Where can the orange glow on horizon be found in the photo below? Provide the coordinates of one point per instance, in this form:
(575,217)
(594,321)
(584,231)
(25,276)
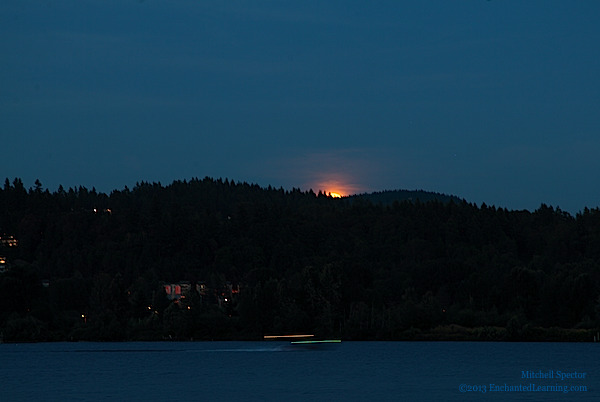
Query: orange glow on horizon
(335,185)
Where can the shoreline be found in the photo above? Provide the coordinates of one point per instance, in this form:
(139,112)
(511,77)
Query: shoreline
(447,333)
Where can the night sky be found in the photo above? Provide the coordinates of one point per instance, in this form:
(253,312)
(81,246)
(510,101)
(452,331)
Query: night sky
(492,101)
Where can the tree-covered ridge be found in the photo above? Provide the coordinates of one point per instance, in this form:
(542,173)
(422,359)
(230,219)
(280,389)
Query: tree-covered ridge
(304,262)
(388,197)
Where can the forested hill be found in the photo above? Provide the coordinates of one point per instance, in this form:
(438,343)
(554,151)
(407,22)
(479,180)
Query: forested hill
(78,264)
(389,196)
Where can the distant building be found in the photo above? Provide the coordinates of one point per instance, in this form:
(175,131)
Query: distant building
(8,241)
(201,288)
(227,294)
(223,295)
(202,291)
(176,291)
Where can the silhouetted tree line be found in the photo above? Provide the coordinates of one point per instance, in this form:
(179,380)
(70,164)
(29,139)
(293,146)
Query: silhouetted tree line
(305,263)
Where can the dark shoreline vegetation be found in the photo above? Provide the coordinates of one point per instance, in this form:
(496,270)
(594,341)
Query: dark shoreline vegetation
(82,265)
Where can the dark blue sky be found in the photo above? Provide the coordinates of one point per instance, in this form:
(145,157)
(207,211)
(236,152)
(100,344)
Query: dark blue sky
(493,101)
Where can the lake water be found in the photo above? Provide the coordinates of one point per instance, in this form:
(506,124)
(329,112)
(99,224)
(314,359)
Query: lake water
(272,371)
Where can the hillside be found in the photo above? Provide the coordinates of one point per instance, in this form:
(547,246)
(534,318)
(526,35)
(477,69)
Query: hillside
(78,264)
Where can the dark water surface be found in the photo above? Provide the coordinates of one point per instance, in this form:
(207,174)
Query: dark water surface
(272,371)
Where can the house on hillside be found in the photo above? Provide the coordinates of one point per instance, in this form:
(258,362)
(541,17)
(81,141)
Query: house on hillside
(176,291)
(8,241)
(227,294)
